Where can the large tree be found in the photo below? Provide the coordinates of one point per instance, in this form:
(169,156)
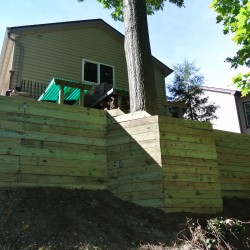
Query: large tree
(186,88)
(235,16)
(142,87)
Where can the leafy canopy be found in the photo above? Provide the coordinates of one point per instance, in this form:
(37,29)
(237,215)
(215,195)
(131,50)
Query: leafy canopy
(186,88)
(235,16)
(152,6)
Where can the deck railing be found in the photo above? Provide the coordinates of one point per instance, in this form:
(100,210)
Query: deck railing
(35,89)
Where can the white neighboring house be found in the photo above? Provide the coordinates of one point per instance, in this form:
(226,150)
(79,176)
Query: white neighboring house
(233,112)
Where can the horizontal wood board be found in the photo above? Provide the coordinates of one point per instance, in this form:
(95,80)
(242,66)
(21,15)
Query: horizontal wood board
(190,169)
(45,144)
(134,159)
(233,152)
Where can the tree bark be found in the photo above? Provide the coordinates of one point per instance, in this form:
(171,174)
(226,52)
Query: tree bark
(142,87)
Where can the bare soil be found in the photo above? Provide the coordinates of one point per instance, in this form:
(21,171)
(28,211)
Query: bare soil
(51,218)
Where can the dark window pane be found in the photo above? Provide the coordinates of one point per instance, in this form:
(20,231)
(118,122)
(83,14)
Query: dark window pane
(247,112)
(106,74)
(90,72)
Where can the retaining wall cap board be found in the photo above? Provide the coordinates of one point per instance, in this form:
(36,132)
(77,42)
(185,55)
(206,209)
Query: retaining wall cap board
(132,116)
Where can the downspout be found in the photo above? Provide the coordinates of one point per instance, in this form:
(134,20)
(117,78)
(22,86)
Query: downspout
(236,97)
(20,61)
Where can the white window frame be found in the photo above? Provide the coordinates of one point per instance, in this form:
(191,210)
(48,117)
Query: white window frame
(98,71)
(245,112)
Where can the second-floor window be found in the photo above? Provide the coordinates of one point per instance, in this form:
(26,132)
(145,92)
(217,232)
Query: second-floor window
(95,72)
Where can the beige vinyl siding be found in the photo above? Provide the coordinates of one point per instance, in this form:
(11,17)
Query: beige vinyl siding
(245,129)
(59,53)
(16,59)
(160,89)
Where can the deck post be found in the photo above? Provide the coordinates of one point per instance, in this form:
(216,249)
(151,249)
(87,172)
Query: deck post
(61,94)
(81,98)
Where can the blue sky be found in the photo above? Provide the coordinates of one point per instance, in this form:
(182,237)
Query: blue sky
(175,34)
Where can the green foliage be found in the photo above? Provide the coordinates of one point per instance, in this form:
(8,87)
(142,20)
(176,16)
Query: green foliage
(152,6)
(242,82)
(214,233)
(186,88)
(235,16)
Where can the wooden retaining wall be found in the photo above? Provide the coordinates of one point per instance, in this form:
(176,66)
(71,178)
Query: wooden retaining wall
(233,152)
(163,162)
(190,169)
(134,159)
(43,144)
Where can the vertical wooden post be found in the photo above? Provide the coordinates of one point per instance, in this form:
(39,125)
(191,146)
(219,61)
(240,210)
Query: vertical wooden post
(61,94)
(81,98)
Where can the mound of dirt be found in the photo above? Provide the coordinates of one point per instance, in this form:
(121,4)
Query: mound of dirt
(50,218)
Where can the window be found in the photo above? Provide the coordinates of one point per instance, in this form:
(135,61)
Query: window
(97,73)
(247,112)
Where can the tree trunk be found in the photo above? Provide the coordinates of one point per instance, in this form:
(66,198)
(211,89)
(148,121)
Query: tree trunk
(142,88)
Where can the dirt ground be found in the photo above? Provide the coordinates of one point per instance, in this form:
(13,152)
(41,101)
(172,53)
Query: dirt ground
(47,218)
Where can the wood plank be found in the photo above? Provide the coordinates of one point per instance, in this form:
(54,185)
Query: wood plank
(63,138)
(131,146)
(131,116)
(37,152)
(66,115)
(29,127)
(63,146)
(188,185)
(51,121)
(73,84)
(145,128)
(166,152)
(88,186)
(141,195)
(169,177)
(199,203)
(9,142)
(236,152)
(9,168)
(228,186)
(135,161)
(141,177)
(141,153)
(62,180)
(182,169)
(233,144)
(115,125)
(193,162)
(8,177)
(134,170)
(204,210)
(192,194)
(235,168)
(235,180)
(9,116)
(235,174)
(165,120)
(138,186)
(64,171)
(188,146)
(168,128)
(169,137)
(237,193)
(9,159)
(18,103)
(50,162)
(10,125)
